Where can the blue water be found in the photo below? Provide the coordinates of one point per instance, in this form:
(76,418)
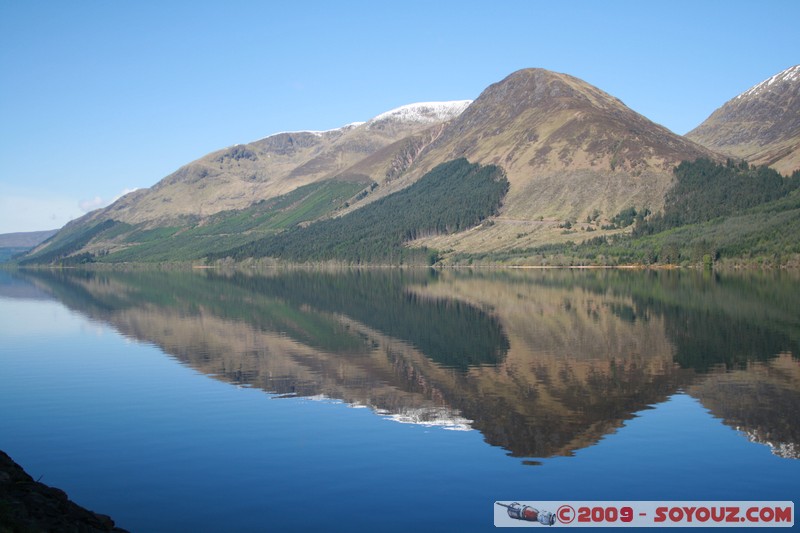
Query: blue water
(128,430)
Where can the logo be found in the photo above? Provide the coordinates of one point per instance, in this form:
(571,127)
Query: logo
(529,514)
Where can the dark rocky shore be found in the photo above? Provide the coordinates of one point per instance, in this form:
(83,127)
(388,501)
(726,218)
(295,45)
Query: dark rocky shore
(29,506)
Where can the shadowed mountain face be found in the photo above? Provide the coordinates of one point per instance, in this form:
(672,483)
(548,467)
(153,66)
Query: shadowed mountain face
(541,363)
(761,125)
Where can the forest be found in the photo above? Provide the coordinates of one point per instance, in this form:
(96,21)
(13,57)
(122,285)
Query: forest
(452,197)
(732,213)
(705,190)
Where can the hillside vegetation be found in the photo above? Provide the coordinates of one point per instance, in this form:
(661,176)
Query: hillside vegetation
(705,190)
(732,212)
(190,238)
(452,197)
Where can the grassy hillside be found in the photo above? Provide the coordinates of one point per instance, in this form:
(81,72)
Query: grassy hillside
(568,149)
(238,227)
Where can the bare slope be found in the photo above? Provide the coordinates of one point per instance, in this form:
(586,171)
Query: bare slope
(761,125)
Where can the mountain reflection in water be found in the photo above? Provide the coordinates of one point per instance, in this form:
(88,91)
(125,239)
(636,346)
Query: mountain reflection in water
(542,363)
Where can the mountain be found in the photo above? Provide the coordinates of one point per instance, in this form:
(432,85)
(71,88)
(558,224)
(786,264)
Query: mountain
(761,125)
(238,176)
(568,150)
(25,239)
(12,244)
(241,193)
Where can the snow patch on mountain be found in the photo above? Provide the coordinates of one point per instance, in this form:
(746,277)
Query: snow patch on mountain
(423,112)
(316,133)
(420,113)
(791,74)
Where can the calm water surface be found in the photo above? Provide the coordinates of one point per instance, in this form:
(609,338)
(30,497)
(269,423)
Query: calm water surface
(377,401)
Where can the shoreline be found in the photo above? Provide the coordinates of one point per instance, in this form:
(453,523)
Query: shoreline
(28,505)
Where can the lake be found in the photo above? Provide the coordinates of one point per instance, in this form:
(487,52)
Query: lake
(371,400)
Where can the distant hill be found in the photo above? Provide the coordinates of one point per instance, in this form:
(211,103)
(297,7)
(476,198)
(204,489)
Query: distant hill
(25,239)
(12,244)
(761,125)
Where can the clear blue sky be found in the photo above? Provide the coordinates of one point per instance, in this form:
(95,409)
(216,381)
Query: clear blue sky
(99,97)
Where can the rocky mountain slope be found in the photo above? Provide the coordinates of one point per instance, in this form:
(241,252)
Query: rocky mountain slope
(761,125)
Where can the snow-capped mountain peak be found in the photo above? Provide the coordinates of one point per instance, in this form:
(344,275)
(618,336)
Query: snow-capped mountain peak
(419,113)
(791,74)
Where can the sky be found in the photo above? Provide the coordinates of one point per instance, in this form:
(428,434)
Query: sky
(98,98)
